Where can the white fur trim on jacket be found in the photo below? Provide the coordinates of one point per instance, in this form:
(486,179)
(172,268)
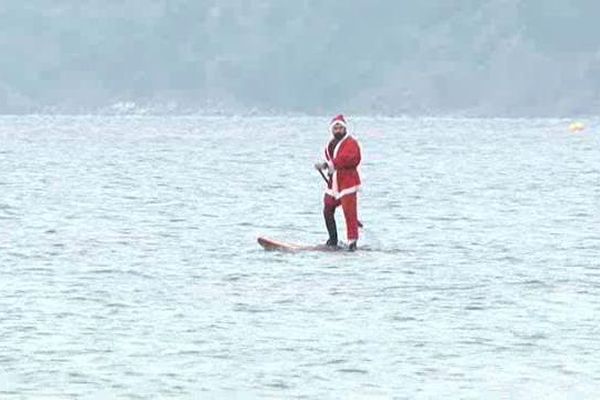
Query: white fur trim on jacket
(338,195)
(334,191)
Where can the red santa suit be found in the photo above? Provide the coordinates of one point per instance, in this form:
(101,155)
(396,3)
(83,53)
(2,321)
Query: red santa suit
(343,158)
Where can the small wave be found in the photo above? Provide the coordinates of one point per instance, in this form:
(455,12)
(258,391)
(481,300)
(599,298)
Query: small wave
(353,371)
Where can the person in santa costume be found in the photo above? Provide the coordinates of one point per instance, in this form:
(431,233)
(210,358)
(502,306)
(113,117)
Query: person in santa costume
(342,157)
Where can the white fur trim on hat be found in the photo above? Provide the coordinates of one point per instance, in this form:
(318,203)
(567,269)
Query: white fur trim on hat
(336,122)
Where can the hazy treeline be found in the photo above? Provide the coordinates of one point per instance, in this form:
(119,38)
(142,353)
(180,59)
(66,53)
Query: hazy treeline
(477,57)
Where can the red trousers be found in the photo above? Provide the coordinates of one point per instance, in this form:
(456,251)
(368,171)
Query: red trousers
(349,205)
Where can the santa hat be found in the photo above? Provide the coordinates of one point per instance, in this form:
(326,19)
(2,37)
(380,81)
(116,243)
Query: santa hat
(338,119)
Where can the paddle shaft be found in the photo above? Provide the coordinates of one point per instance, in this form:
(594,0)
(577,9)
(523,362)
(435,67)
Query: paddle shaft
(323,176)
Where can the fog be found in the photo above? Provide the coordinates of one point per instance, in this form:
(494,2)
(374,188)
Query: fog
(436,57)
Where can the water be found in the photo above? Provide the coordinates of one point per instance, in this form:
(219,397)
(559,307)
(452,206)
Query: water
(129,267)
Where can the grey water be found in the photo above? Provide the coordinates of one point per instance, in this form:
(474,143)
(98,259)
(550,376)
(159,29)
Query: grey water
(129,266)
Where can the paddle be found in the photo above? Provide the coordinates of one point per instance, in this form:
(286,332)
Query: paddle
(323,176)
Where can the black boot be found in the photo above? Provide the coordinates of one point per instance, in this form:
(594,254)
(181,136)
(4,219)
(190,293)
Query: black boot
(328,213)
(352,246)
(331,242)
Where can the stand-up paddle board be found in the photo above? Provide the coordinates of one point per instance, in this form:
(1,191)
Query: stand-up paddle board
(274,245)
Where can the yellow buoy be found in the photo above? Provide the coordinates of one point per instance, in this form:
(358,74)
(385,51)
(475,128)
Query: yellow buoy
(576,127)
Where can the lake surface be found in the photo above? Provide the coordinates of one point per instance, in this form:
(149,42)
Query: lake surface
(129,266)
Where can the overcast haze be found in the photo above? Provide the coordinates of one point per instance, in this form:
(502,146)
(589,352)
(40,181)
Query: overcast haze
(470,57)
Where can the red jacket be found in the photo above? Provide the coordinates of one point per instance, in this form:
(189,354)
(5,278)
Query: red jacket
(344,162)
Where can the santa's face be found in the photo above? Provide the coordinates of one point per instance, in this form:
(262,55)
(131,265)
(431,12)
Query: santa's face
(338,130)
